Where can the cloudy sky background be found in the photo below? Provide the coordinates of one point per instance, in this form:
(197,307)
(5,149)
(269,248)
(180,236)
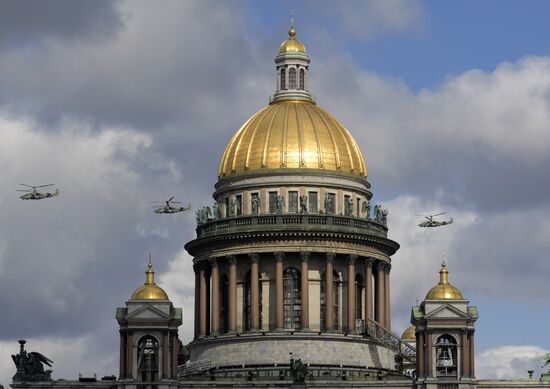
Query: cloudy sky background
(120,103)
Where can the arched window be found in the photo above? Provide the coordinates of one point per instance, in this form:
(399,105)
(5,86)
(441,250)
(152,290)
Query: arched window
(224,308)
(335,300)
(148,359)
(292,78)
(302,79)
(359,287)
(248,302)
(283,79)
(292,301)
(446,356)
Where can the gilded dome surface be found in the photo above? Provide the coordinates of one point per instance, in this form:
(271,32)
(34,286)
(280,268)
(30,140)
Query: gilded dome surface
(409,333)
(444,290)
(292,134)
(149,290)
(292,45)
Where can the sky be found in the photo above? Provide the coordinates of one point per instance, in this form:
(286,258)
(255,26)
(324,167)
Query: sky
(120,103)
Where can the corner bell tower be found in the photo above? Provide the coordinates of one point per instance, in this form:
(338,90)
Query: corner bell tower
(445,337)
(149,338)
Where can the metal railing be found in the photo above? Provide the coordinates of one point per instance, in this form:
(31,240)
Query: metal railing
(393,342)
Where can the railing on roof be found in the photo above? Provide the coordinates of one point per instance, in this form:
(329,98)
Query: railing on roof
(390,340)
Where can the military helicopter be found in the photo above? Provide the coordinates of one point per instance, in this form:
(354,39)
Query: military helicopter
(33,194)
(430,222)
(168,208)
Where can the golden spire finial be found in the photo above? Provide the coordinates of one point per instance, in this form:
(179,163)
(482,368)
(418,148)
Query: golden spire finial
(150,274)
(292,31)
(443,273)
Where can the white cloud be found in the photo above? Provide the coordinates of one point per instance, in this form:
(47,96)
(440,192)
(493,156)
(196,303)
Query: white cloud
(506,362)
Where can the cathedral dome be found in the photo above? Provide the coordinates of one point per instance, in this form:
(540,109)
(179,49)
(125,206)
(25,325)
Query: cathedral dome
(409,333)
(292,45)
(292,134)
(444,290)
(149,290)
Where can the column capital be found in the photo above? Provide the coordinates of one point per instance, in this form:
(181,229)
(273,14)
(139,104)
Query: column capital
(369,261)
(232,259)
(213,262)
(279,256)
(387,267)
(381,266)
(330,257)
(254,257)
(305,255)
(351,259)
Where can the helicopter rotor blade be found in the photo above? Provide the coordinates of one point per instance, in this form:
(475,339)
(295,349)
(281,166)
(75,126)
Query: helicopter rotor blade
(43,186)
(23,190)
(438,214)
(30,186)
(171,198)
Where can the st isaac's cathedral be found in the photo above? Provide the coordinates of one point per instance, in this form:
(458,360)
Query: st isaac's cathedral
(292,275)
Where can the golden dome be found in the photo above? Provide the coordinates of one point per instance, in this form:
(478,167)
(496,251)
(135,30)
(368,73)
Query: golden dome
(444,290)
(409,333)
(292,134)
(292,45)
(149,290)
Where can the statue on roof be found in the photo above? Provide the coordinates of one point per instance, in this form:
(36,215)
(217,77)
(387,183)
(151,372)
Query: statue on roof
(298,370)
(30,366)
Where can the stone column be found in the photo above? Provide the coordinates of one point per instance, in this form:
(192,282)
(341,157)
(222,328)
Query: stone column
(465,354)
(279,314)
(197,300)
(387,296)
(420,354)
(254,292)
(305,289)
(380,288)
(429,352)
(472,356)
(165,349)
(130,356)
(215,296)
(122,370)
(232,293)
(202,307)
(351,293)
(175,349)
(368,289)
(329,294)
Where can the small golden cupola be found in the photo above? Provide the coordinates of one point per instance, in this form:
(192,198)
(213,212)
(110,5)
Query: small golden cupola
(444,290)
(409,333)
(292,45)
(149,290)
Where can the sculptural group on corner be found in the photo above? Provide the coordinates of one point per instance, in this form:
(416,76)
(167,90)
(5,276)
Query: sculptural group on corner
(203,214)
(30,366)
(298,371)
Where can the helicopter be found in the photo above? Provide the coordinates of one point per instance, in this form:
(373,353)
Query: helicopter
(169,209)
(33,194)
(430,222)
